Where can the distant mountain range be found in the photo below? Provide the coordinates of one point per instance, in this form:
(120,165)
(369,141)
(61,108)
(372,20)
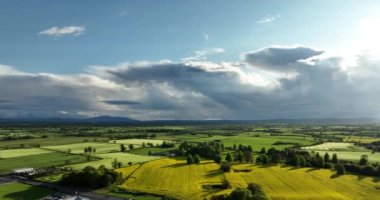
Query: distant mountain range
(126,120)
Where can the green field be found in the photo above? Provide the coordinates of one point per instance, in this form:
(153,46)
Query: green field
(46,141)
(332,146)
(11,153)
(256,142)
(138,142)
(79,147)
(353,155)
(108,158)
(39,160)
(18,191)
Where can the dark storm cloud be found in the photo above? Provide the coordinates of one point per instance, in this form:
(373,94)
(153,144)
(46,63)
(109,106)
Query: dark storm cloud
(120,102)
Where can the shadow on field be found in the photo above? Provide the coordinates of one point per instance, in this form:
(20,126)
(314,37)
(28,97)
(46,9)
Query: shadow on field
(267,165)
(176,165)
(335,176)
(312,169)
(376,179)
(213,173)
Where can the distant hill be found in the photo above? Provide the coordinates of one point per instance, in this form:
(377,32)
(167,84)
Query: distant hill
(126,120)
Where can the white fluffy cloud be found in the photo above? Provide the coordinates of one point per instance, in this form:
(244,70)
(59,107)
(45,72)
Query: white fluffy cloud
(65,30)
(319,86)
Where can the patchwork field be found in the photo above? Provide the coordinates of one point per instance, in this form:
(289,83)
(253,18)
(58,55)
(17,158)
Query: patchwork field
(39,160)
(18,191)
(354,156)
(176,178)
(79,147)
(307,183)
(333,146)
(108,158)
(11,153)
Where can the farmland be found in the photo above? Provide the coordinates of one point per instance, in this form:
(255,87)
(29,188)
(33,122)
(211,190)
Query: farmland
(13,191)
(154,173)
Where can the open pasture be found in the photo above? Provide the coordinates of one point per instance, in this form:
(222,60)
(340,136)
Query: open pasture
(79,147)
(19,191)
(11,153)
(108,158)
(138,142)
(39,160)
(50,141)
(353,155)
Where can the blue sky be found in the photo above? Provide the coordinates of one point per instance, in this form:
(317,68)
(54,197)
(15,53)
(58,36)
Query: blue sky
(190,59)
(128,31)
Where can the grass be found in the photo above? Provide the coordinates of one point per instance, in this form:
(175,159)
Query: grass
(353,155)
(11,153)
(39,160)
(108,158)
(18,191)
(337,146)
(46,141)
(256,142)
(137,141)
(79,147)
(306,183)
(153,150)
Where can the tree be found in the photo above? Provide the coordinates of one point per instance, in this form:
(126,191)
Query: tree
(263,159)
(143,144)
(256,191)
(326,157)
(363,160)
(248,157)
(228,157)
(123,148)
(189,159)
(131,147)
(197,159)
(334,158)
(240,194)
(239,156)
(234,147)
(115,163)
(340,169)
(262,151)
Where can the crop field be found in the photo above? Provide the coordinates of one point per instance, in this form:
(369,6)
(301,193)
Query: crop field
(354,155)
(19,191)
(39,160)
(11,153)
(360,139)
(336,146)
(138,142)
(79,147)
(306,183)
(108,158)
(146,150)
(175,178)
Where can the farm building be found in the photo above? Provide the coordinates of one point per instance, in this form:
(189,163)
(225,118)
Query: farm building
(24,171)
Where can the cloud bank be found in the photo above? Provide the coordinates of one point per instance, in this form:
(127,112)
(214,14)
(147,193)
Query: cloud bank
(272,82)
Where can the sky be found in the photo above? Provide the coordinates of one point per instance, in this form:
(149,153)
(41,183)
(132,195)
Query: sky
(190,59)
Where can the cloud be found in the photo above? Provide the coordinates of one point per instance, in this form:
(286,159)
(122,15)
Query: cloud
(203,54)
(267,19)
(320,86)
(279,58)
(65,30)
(206,36)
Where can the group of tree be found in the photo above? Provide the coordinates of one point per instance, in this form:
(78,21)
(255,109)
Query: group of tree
(193,159)
(123,148)
(210,150)
(252,192)
(167,144)
(91,177)
(87,150)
